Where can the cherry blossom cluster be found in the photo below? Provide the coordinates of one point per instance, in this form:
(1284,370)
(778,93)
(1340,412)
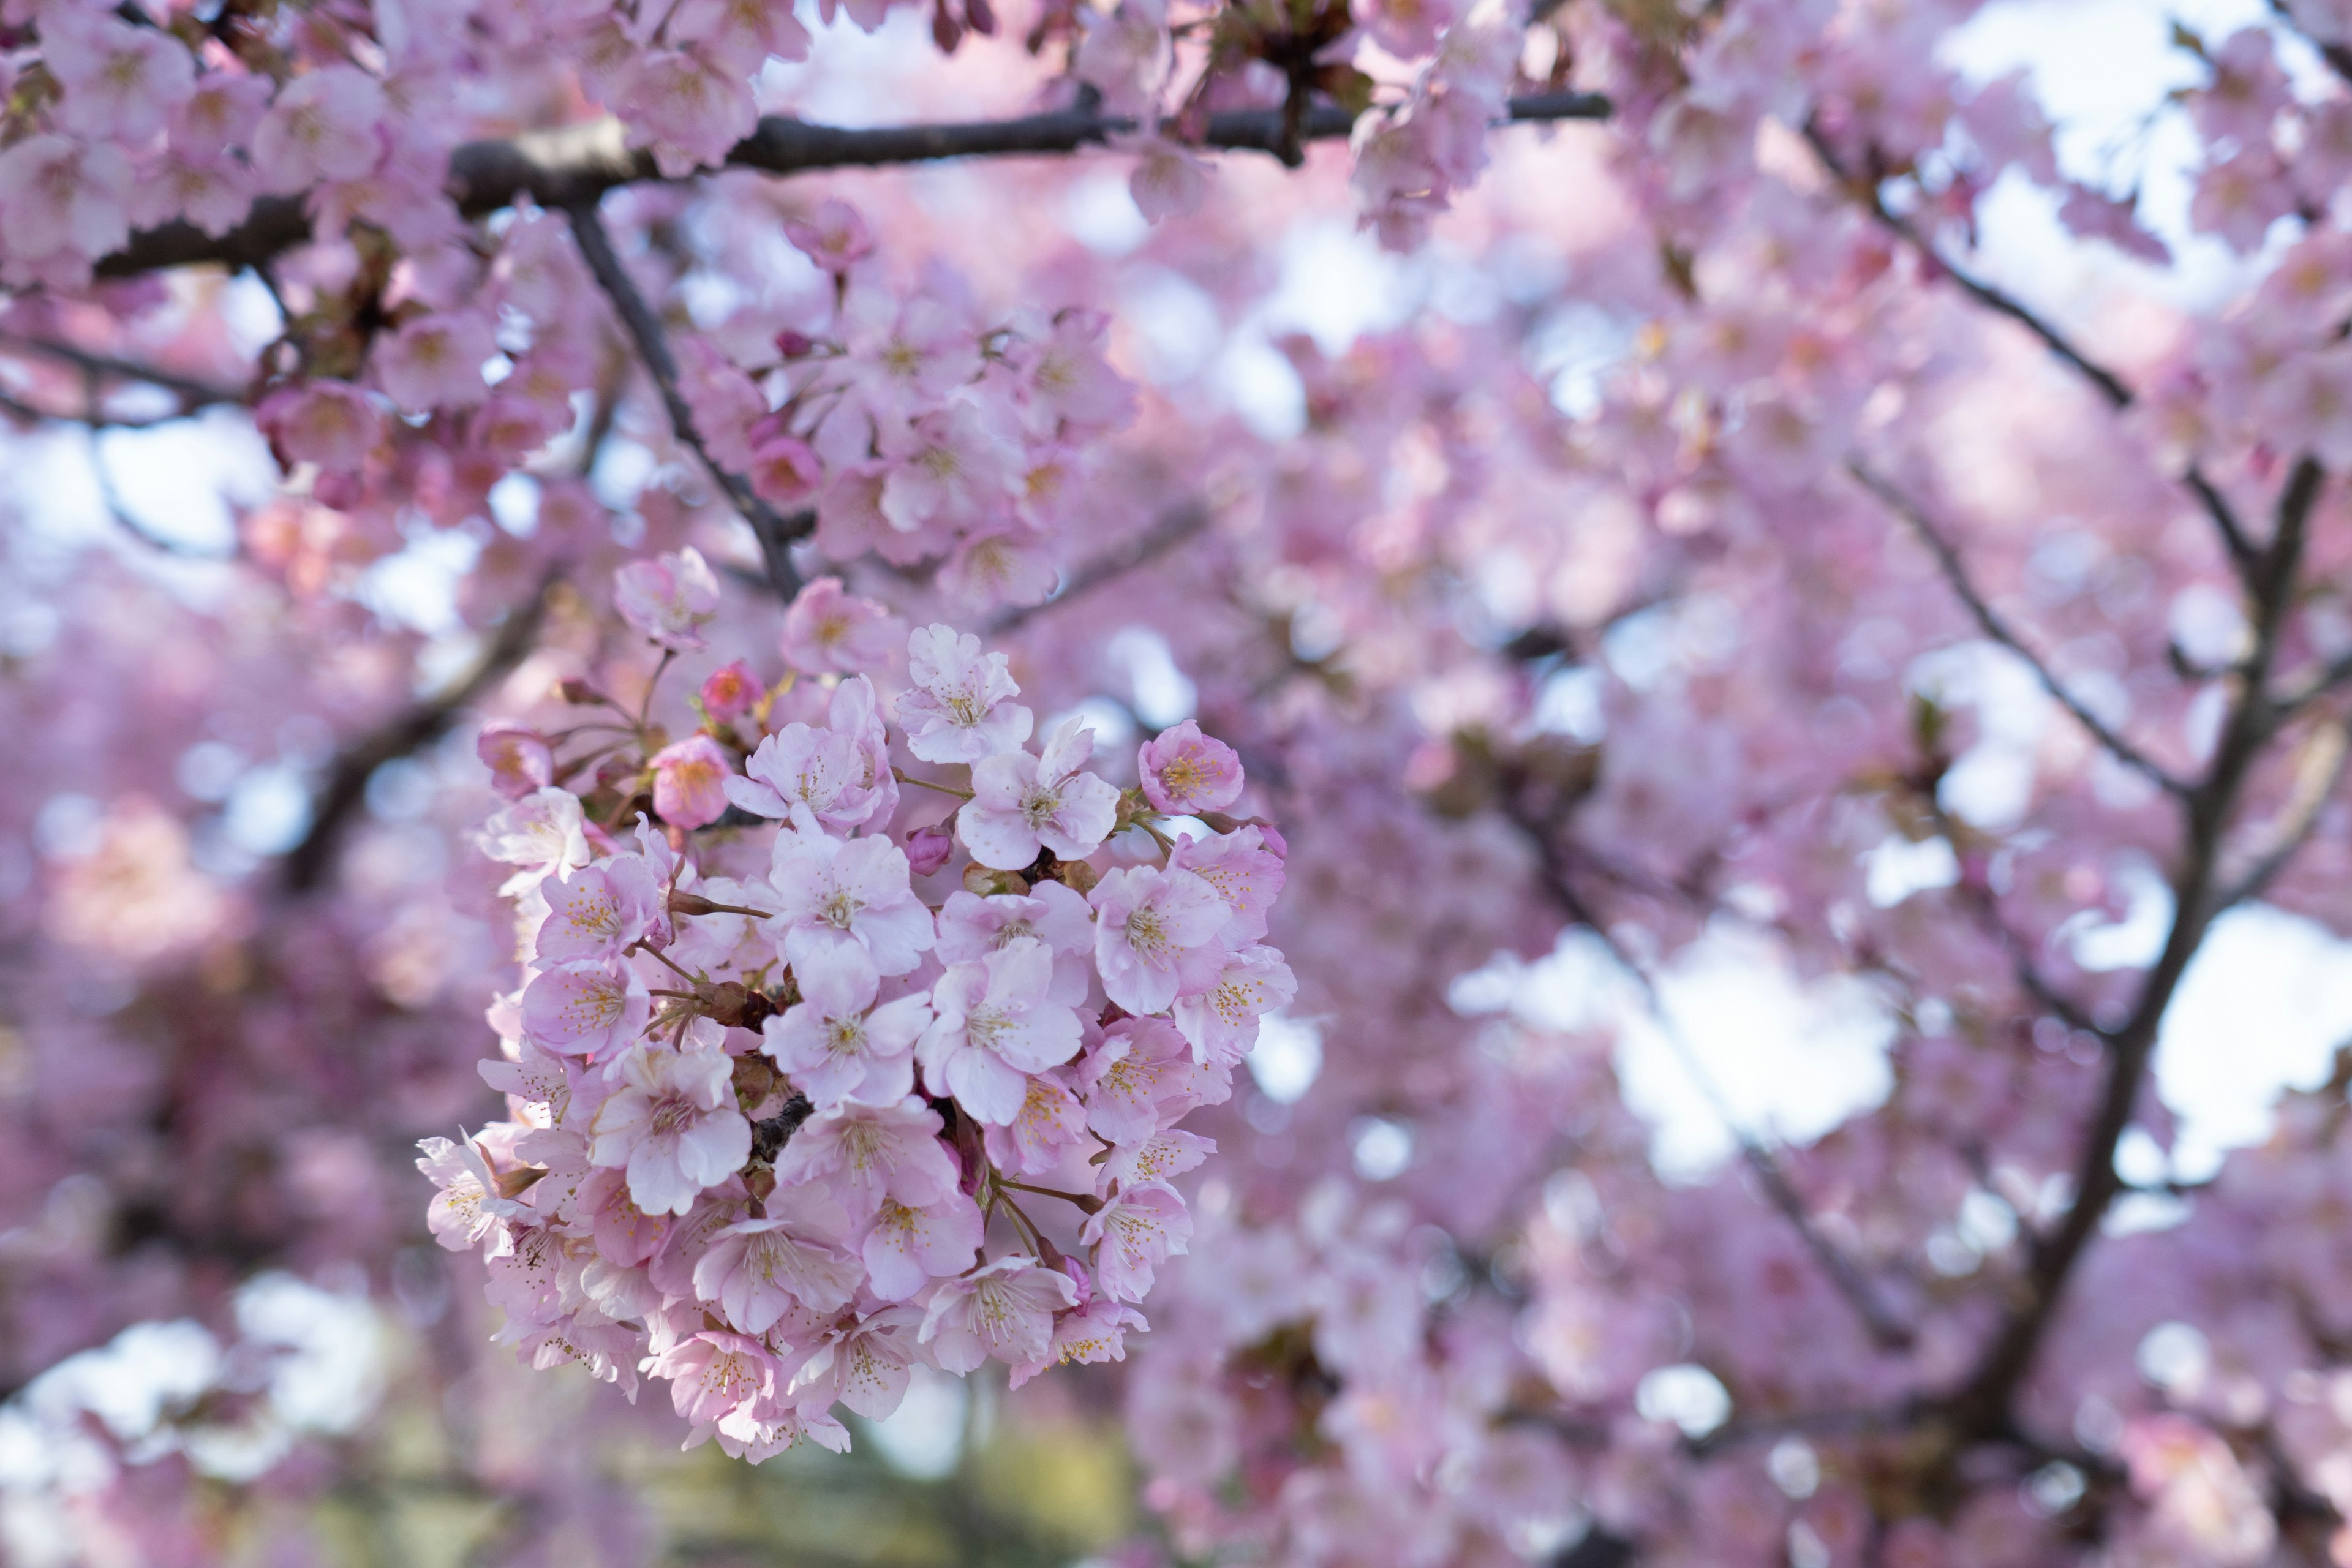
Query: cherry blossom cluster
(774,1132)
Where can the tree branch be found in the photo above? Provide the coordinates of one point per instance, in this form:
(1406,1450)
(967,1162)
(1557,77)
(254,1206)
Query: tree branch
(575,166)
(194,394)
(1886,1331)
(1980,1405)
(306,864)
(774,531)
(2000,631)
(2110,385)
(1175,527)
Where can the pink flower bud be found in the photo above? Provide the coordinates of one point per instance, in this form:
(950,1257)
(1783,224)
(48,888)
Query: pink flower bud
(691,782)
(833,237)
(1274,840)
(518,756)
(785,470)
(793,345)
(731,691)
(928,848)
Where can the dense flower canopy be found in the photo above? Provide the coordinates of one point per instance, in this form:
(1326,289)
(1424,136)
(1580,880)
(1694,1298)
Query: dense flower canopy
(786,635)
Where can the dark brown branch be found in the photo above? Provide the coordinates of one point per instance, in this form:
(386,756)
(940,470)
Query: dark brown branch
(194,394)
(2110,386)
(346,787)
(1981,1406)
(1990,620)
(1174,529)
(774,531)
(577,165)
(1886,1331)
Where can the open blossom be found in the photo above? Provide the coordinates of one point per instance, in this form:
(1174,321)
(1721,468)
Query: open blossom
(908,1248)
(837,1042)
(322,126)
(330,423)
(692,110)
(867,1152)
(436,360)
(58,195)
(1220,1019)
(118,80)
(673,1124)
(992,1022)
(971,927)
(740,35)
(1185,772)
(598,911)
(958,711)
(838,777)
(1246,867)
(1095,1333)
(713,1374)
(468,1208)
(1003,1309)
(826,629)
(1134,1234)
(1141,1079)
(862,1364)
(1154,934)
(538,834)
(593,1008)
(668,598)
(1168,179)
(518,756)
(757,1268)
(691,782)
(1020,804)
(829,891)
(1049,1123)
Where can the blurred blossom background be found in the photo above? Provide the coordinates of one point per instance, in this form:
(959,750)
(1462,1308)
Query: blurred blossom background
(247,938)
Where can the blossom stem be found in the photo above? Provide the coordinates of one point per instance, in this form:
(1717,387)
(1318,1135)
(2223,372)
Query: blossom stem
(903,776)
(1086,1202)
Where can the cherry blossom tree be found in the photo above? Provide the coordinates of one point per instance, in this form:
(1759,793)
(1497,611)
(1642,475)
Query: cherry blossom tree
(715,699)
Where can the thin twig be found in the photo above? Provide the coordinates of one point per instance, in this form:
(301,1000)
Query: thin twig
(346,784)
(194,394)
(1884,1328)
(2297,822)
(2110,386)
(576,165)
(774,531)
(1174,529)
(1979,1407)
(2000,631)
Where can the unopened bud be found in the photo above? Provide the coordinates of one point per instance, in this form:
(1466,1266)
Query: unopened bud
(577,692)
(927,849)
(1077,876)
(760,1181)
(792,345)
(754,1078)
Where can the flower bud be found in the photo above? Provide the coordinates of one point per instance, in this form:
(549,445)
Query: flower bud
(928,848)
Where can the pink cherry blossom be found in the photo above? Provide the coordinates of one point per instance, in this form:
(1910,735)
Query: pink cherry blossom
(1132,1235)
(518,756)
(826,629)
(756,1268)
(1155,934)
(673,1124)
(591,1009)
(1021,803)
(325,125)
(436,360)
(837,1042)
(957,711)
(730,691)
(689,782)
(865,1152)
(833,234)
(1185,772)
(993,1023)
(908,1248)
(596,912)
(1004,1308)
(668,598)
(830,892)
